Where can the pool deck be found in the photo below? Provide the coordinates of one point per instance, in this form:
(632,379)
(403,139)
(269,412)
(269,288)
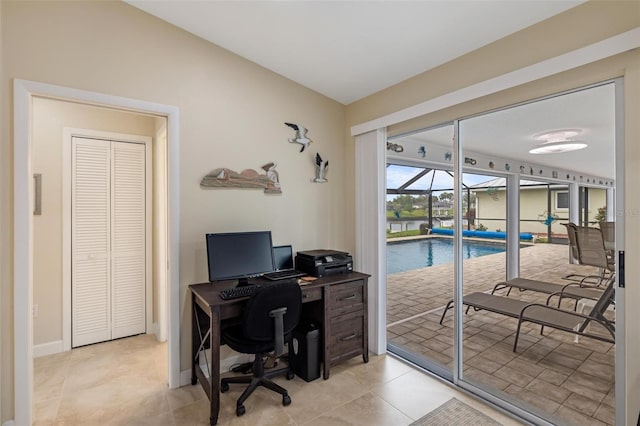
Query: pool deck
(574,381)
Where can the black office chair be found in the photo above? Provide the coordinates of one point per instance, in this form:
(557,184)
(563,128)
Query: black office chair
(268,321)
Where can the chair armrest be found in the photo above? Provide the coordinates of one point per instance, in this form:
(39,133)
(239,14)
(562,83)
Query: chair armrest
(579,285)
(278,322)
(557,309)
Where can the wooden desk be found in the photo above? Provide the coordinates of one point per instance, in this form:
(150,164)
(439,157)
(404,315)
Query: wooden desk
(338,303)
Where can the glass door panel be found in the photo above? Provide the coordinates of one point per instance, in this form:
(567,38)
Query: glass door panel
(420,252)
(546,373)
(485,335)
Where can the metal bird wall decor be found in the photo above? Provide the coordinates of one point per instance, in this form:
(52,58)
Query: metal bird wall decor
(422,151)
(321,170)
(301,135)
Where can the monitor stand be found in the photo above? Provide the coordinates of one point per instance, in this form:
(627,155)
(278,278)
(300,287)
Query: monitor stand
(242,282)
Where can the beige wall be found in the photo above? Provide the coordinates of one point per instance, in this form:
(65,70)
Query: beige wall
(557,35)
(50,117)
(4,177)
(231,115)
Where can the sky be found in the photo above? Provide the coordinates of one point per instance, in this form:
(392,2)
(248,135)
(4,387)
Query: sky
(398,175)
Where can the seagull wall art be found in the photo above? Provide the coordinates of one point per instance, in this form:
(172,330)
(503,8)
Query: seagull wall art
(321,170)
(301,135)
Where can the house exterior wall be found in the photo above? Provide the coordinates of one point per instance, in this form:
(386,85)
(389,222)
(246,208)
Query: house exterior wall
(491,212)
(533,205)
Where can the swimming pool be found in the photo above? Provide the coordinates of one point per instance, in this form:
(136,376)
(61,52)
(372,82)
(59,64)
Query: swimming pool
(409,255)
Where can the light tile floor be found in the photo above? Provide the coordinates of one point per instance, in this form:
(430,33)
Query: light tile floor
(572,381)
(124,383)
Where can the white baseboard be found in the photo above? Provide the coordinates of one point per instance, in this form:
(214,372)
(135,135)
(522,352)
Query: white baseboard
(8,423)
(185,377)
(225,365)
(155,330)
(50,348)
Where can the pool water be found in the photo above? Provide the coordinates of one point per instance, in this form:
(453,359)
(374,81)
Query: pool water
(409,255)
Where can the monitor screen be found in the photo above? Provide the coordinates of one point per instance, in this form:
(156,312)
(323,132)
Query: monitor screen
(239,255)
(283,257)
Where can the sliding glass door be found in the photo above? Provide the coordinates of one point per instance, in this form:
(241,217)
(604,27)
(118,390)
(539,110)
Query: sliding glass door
(493,202)
(532,148)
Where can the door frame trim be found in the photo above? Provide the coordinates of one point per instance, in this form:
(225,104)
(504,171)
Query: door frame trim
(68,134)
(23,91)
(622,351)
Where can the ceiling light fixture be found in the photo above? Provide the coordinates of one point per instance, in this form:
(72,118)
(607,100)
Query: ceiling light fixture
(558,141)
(558,147)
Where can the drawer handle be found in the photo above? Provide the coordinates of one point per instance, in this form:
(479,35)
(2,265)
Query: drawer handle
(353,336)
(353,296)
(304,296)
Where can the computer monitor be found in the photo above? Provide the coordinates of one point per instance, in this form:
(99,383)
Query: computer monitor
(239,255)
(283,257)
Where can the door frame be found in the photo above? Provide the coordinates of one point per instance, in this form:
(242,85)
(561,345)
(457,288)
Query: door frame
(534,72)
(67,225)
(23,192)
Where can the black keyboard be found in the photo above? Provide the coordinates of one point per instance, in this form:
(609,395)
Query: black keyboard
(283,275)
(236,292)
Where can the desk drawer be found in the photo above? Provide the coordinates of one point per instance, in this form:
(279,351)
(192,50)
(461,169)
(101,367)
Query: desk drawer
(346,297)
(346,336)
(311,294)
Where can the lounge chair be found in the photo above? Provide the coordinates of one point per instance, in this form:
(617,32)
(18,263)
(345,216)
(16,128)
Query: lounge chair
(545,315)
(572,290)
(589,244)
(587,247)
(573,253)
(609,234)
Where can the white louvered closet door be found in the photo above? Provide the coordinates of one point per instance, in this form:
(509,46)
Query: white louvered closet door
(127,239)
(90,235)
(108,240)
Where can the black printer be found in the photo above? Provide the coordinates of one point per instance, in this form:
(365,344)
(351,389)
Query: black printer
(322,263)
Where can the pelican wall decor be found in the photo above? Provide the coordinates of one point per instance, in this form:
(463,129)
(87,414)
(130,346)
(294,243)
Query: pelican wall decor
(248,178)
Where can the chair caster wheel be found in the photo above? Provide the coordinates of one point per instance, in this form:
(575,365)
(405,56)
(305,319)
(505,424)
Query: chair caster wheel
(224,387)
(240,410)
(290,375)
(286,400)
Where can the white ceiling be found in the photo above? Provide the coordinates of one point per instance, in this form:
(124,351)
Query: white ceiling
(348,50)
(510,133)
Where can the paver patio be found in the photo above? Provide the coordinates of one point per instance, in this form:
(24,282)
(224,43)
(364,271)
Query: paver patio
(573,381)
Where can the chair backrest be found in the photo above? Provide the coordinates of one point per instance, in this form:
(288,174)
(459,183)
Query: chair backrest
(591,249)
(258,325)
(608,232)
(573,242)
